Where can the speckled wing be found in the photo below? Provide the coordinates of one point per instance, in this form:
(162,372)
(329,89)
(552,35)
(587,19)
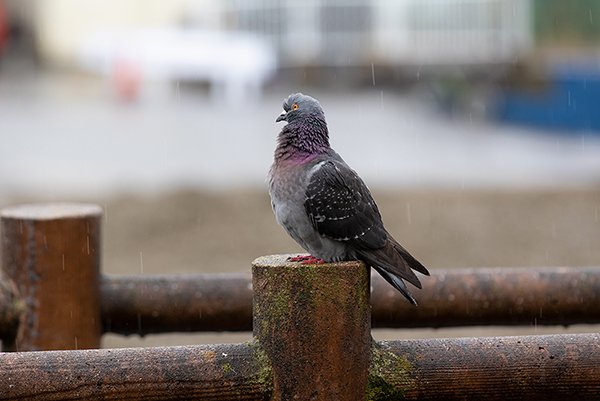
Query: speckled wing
(341,207)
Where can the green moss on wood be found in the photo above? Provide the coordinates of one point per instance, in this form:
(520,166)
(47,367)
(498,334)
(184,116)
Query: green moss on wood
(227,368)
(389,375)
(264,375)
(285,294)
(379,390)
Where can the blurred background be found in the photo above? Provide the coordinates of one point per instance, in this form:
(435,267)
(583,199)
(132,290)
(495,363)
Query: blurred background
(475,123)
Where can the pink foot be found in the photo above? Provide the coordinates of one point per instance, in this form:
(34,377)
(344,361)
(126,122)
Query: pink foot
(306,260)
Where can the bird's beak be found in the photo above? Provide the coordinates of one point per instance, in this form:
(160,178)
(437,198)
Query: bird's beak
(282,117)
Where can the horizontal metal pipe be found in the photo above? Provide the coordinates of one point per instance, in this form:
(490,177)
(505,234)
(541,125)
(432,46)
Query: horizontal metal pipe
(453,297)
(206,372)
(551,367)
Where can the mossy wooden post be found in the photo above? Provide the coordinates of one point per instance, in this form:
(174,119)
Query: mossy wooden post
(313,322)
(52,253)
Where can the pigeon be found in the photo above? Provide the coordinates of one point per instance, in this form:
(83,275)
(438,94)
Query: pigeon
(325,206)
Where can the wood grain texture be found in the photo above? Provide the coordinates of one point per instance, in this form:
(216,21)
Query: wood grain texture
(313,323)
(208,372)
(52,254)
(450,298)
(549,367)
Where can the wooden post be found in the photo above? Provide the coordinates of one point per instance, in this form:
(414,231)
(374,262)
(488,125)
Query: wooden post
(10,310)
(313,323)
(52,253)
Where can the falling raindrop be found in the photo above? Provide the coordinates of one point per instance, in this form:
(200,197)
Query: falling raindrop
(373,73)
(591,16)
(141,263)
(381,99)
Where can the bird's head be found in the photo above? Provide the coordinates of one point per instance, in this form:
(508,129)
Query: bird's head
(298,106)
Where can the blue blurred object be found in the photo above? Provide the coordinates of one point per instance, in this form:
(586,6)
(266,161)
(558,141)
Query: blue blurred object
(570,102)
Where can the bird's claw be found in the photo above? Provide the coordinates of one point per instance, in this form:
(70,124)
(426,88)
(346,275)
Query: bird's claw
(306,260)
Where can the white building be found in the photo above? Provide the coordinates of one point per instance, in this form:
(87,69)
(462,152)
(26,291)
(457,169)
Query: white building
(392,32)
(311,32)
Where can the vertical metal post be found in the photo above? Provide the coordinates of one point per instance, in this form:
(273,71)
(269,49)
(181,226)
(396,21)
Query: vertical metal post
(313,323)
(52,253)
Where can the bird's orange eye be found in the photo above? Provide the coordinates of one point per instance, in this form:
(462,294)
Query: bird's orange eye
(295,106)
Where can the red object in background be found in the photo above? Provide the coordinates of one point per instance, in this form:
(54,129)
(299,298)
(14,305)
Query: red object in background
(3,27)
(126,78)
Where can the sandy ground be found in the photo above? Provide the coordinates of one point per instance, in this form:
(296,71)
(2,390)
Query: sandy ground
(191,231)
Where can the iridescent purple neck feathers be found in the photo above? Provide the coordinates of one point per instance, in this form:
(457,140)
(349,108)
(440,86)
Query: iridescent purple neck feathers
(302,139)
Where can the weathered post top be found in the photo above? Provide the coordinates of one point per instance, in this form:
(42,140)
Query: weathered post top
(52,254)
(313,322)
(51,211)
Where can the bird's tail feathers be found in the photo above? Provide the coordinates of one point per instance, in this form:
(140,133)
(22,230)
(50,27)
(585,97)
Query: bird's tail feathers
(389,259)
(397,283)
(394,263)
(412,262)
